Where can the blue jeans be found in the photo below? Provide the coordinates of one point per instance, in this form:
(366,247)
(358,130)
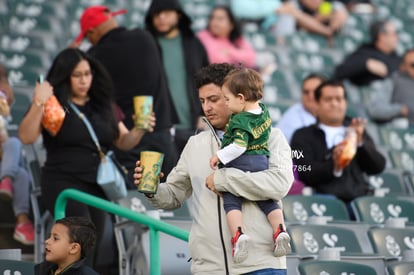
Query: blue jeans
(268,271)
(11,166)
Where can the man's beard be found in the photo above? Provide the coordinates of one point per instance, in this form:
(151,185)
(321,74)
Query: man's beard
(167,32)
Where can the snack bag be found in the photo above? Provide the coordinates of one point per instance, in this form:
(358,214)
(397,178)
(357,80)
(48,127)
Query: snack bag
(350,148)
(53,116)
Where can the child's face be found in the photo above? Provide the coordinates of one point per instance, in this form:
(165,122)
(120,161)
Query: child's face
(234,102)
(58,245)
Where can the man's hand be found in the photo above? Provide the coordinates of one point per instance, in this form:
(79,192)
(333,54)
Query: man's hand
(210,184)
(359,125)
(138,174)
(336,154)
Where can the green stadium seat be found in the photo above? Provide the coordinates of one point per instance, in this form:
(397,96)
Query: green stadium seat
(334,267)
(391,242)
(390,181)
(401,268)
(16,267)
(397,138)
(376,210)
(309,239)
(403,159)
(298,208)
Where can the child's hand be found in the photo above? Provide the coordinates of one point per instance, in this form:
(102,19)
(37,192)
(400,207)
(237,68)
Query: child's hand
(214,161)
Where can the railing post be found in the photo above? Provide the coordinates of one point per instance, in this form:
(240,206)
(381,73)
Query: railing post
(155,262)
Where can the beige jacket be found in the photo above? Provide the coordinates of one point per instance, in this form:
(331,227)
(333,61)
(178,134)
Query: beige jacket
(210,244)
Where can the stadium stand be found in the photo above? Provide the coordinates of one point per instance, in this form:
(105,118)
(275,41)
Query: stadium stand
(32,32)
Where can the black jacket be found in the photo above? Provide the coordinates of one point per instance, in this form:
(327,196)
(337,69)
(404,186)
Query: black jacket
(78,268)
(318,162)
(353,67)
(195,54)
(135,65)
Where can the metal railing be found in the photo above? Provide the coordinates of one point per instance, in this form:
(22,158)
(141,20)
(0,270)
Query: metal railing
(154,225)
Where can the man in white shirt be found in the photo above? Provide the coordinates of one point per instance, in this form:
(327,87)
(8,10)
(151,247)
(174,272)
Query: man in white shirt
(302,113)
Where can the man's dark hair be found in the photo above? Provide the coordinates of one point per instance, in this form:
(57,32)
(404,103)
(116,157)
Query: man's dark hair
(330,82)
(376,28)
(212,74)
(81,231)
(319,76)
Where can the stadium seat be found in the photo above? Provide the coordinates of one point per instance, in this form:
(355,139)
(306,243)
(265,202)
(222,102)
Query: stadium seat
(42,219)
(390,181)
(403,159)
(307,242)
(11,254)
(298,208)
(401,268)
(23,76)
(277,109)
(334,267)
(309,239)
(16,267)
(376,210)
(397,139)
(391,242)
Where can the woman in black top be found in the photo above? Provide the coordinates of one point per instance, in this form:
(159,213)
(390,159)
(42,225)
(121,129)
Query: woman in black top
(72,158)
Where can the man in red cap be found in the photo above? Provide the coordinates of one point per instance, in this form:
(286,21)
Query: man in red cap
(134,63)
(90,21)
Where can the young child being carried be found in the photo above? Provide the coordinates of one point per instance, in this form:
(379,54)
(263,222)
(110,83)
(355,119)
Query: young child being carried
(245,147)
(69,243)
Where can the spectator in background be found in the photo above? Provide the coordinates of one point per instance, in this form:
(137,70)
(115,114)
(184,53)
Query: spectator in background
(281,18)
(133,61)
(182,55)
(15,181)
(72,158)
(356,6)
(303,113)
(395,98)
(321,145)
(375,60)
(223,39)
(71,241)
(331,13)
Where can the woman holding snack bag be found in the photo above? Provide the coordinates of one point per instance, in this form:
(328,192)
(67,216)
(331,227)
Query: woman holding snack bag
(72,158)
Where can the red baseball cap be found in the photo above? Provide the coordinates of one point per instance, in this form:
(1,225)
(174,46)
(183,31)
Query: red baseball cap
(93,17)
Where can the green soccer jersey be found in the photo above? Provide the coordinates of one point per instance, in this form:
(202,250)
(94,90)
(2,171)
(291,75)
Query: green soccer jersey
(249,130)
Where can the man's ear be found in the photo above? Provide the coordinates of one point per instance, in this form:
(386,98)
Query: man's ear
(241,96)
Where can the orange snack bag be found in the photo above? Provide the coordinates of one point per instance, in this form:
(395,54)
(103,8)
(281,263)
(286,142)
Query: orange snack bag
(349,150)
(53,116)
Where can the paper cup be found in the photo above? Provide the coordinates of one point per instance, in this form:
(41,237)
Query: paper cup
(151,163)
(143,109)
